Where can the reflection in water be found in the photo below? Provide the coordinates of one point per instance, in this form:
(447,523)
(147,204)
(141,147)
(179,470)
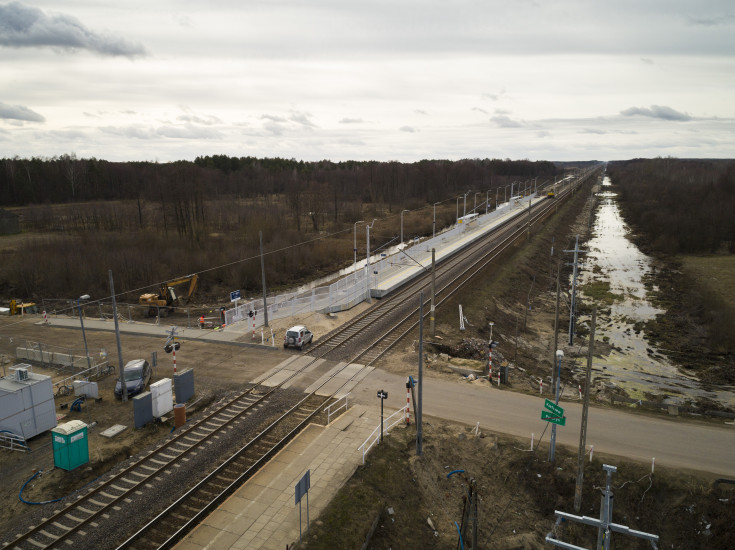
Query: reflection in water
(636,367)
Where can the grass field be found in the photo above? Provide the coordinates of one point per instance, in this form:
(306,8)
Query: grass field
(715,273)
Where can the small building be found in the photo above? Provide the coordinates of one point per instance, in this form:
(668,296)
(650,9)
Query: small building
(9,223)
(27,405)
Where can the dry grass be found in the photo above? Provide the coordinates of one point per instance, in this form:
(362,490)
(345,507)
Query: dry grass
(716,273)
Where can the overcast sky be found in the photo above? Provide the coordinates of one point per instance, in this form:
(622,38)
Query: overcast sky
(398,80)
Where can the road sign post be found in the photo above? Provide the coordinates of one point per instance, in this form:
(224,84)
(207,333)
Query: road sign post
(383,395)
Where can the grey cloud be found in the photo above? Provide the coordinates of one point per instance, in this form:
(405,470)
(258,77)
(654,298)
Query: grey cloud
(506,122)
(273,118)
(543,134)
(351,121)
(712,21)
(657,111)
(302,118)
(24,26)
(409,129)
(483,111)
(592,131)
(420,112)
(647,61)
(186,131)
(19,112)
(137,132)
(274,128)
(207,121)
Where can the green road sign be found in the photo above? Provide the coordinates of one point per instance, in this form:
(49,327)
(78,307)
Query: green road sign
(553,418)
(553,407)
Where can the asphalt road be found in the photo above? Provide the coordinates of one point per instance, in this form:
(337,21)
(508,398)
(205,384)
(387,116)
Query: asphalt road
(673,442)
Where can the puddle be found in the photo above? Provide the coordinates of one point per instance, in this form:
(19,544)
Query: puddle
(634,365)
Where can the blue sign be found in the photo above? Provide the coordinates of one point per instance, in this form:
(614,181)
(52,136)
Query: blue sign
(234,296)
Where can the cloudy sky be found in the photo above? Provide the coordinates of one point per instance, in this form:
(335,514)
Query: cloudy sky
(376,79)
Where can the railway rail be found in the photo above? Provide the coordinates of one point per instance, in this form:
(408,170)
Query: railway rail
(365,339)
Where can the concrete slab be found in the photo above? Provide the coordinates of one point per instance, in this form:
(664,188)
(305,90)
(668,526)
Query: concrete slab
(113,430)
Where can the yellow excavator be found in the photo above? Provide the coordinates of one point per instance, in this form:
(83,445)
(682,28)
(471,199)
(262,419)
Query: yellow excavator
(164,301)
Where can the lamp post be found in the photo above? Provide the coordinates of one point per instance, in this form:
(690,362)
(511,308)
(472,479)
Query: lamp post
(487,205)
(81,322)
(457,218)
(552,449)
(354,269)
(464,211)
(474,210)
(497,190)
(433,231)
(402,211)
(367,261)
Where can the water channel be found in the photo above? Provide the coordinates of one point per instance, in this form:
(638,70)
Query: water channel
(633,364)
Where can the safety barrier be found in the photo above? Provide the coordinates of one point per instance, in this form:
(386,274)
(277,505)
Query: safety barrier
(337,406)
(376,436)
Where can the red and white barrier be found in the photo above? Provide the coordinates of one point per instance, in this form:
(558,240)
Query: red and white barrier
(540,385)
(580,392)
(174,352)
(408,403)
(45,318)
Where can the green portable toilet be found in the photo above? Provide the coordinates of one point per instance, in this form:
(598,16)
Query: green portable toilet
(71,448)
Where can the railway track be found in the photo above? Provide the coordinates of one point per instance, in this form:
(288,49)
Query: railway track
(365,339)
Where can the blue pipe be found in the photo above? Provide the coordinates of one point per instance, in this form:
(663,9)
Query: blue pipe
(461,542)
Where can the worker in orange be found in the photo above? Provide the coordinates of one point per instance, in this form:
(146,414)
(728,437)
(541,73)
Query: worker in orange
(201,322)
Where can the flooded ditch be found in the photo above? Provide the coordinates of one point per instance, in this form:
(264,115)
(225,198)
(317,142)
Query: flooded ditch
(613,275)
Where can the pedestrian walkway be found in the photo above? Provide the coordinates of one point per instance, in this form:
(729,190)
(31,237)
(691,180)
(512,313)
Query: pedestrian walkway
(262,514)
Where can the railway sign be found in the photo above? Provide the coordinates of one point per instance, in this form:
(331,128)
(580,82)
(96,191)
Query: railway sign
(383,394)
(554,408)
(234,296)
(553,418)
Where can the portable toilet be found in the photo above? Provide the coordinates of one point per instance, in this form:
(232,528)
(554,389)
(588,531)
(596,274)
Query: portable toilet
(70,444)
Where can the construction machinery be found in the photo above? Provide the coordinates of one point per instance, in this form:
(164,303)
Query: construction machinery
(19,307)
(166,299)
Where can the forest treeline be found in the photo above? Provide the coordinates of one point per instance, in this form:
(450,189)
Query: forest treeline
(151,222)
(680,206)
(68,178)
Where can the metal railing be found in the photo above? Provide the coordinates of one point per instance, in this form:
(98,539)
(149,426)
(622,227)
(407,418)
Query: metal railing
(376,436)
(9,440)
(337,406)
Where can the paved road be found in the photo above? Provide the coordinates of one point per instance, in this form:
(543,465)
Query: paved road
(673,442)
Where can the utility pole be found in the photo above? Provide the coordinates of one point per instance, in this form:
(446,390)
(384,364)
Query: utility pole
(121,367)
(262,273)
(556,323)
(420,402)
(585,412)
(572,311)
(552,448)
(528,231)
(367,261)
(433,290)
